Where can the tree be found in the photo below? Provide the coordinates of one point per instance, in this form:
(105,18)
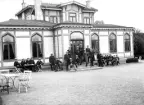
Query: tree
(138,43)
(137,31)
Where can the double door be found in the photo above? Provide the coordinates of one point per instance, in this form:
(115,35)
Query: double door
(76,44)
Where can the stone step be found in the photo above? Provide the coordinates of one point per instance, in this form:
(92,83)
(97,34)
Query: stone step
(89,68)
(122,61)
(83,67)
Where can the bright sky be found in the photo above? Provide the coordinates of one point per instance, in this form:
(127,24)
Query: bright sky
(119,12)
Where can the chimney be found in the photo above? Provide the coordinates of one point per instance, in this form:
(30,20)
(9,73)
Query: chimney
(38,10)
(23,4)
(88,3)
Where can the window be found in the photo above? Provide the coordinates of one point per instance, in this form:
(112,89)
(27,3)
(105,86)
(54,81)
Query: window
(37,49)
(46,18)
(95,42)
(113,44)
(87,20)
(127,42)
(8,43)
(72,17)
(53,19)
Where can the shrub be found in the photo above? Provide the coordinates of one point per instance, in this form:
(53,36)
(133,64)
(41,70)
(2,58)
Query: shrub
(130,60)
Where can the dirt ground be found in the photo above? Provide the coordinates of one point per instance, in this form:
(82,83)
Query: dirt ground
(118,85)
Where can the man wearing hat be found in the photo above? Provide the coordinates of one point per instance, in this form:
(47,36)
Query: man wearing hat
(39,64)
(16,64)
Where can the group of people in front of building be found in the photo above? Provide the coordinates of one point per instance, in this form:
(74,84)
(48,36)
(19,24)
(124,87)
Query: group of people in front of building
(88,55)
(75,57)
(28,64)
(107,60)
(72,59)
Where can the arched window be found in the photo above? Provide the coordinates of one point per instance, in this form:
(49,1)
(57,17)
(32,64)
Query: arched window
(95,42)
(37,46)
(8,44)
(127,42)
(113,43)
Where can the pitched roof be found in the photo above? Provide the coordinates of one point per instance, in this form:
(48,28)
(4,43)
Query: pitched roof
(75,2)
(108,26)
(26,23)
(90,9)
(40,23)
(72,2)
(50,6)
(57,6)
(22,10)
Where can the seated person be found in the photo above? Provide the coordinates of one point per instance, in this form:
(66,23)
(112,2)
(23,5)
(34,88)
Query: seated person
(72,65)
(27,61)
(118,62)
(59,65)
(39,64)
(17,64)
(23,62)
(77,60)
(31,62)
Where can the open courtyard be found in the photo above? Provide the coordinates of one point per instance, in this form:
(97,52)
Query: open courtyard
(118,85)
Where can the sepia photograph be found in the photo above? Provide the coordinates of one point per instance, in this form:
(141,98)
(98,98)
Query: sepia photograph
(71,52)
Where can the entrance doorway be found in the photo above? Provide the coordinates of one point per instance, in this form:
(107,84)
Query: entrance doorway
(76,47)
(77,43)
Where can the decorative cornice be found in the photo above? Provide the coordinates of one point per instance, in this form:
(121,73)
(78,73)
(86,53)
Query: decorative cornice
(112,28)
(25,28)
(73,26)
(67,26)
(48,8)
(88,11)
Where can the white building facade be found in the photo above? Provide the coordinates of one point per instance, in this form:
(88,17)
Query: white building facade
(43,28)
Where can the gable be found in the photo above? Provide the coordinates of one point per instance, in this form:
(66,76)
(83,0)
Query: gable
(72,2)
(72,7)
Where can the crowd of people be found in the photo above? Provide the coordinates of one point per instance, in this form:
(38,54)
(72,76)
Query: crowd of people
(107,60)
(72,59)
(79,55)
(28,64)
(76,57)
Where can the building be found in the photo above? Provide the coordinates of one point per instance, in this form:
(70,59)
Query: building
(43,28)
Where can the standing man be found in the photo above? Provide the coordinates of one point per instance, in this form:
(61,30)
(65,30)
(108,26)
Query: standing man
(92,57)
(81,52)
(88,52)
(52,60)
(69,52)
(67,60)
(99,59)
(86,58)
